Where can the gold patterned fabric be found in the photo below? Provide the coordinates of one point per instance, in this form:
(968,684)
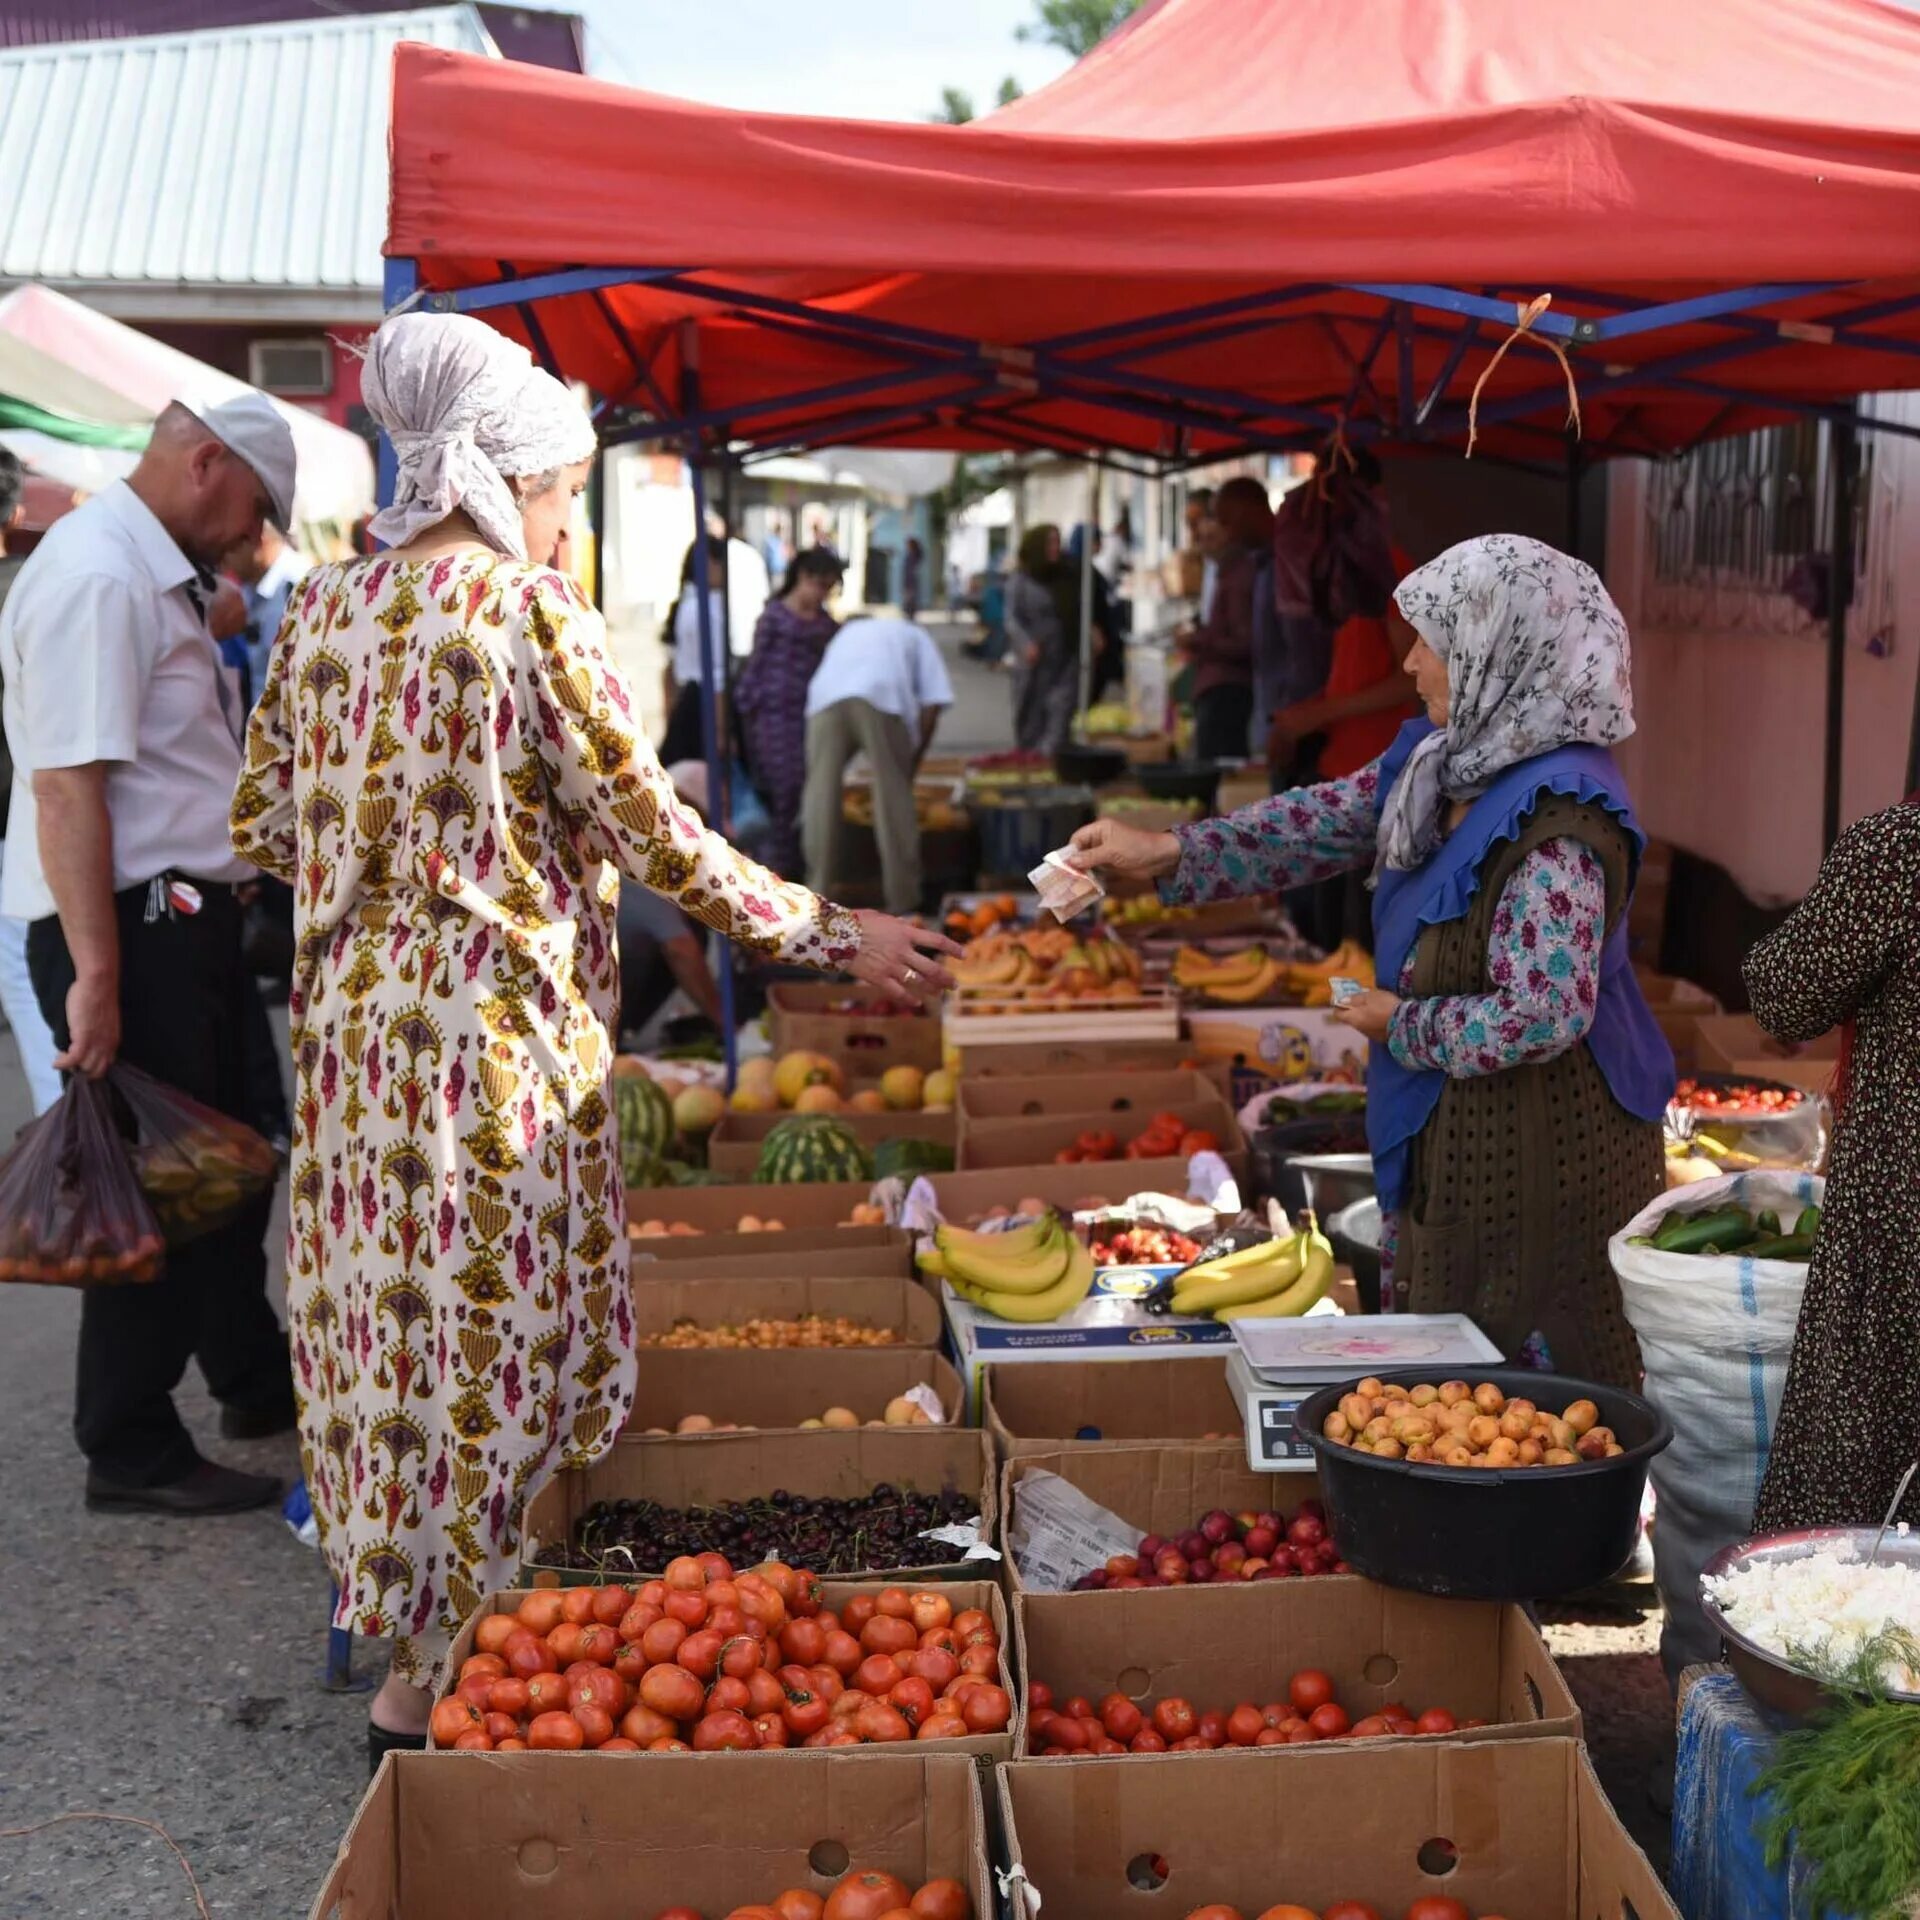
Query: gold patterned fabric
(445,767)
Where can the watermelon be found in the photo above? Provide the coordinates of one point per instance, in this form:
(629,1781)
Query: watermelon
(646,1128)
(908,1159)
(810,1147)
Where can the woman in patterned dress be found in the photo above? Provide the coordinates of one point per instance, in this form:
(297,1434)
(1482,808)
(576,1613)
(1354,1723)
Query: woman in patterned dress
(770,695)
(448,769)
(1516,1080)
(1849,956)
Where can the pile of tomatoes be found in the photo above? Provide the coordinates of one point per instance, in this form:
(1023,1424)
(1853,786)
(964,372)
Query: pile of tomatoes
(707,1660)
(1430,1906)
(1143,1245)
(1225,1546)
(1310,1712)
(1166,1136)
(863,1894)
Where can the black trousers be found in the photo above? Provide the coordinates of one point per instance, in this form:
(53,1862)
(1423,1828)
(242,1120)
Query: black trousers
(1222,720)
(183,997)
(683,739)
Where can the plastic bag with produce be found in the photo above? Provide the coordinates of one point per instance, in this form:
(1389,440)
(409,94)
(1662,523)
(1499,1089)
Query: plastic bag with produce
(71,1212)
(198,1168)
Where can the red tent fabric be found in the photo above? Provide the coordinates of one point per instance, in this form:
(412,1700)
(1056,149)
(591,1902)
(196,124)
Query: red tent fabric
(1638,150)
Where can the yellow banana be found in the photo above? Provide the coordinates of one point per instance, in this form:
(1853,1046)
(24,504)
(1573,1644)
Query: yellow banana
(1014,1243)
(932,1263)
(1032,1272)
(1241,993)
(1066,1293)
(1259,1281)
(1316,1276)
(1250,1256)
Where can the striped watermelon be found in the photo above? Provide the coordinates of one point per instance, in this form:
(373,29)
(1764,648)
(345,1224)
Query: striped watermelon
(810,1147)
(646,1128)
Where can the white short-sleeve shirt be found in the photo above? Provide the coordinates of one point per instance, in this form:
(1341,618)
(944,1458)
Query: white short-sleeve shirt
(890,664)
(105,657)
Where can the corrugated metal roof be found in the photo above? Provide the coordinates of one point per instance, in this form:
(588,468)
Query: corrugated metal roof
(240,158)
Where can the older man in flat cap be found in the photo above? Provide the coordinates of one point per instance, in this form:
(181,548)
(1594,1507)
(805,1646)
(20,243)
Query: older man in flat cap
(125,730)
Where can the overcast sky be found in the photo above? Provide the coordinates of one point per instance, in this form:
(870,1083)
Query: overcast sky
(871,59)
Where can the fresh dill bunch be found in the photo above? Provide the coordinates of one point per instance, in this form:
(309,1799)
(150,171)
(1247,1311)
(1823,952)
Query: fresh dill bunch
(1847,1785)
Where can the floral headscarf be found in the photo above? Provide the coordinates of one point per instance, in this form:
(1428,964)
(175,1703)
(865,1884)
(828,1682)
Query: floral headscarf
(1537,657)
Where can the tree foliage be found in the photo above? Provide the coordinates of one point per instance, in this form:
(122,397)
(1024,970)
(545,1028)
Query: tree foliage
(1075,26)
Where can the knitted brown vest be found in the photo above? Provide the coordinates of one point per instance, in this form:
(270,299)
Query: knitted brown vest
(1520,1177)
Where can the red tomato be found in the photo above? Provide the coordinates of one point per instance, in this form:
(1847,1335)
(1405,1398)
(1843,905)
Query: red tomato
(1244,1725)
(941,1900)
(986,1709)
(724,1732)
(1435,1906)
(596,1723)
(1330,1722)
(473,1741)
(673,1692)
(913,1698)
(556,1733)
(451,1718)
(1173,1719)
(1146,1741)
(642,1726)
(1350,1910)
(798,1904)
(865,1896)
(1121,1718)
(1310,1688)
(1434,1720)
(943,1725)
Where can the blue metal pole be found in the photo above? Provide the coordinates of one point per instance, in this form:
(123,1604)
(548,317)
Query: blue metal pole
(398,283)
(710,681)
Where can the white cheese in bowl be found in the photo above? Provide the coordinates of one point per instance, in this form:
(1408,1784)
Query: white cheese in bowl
(1825,1604)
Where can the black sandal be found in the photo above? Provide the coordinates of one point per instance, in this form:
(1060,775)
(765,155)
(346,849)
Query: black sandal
(382,1741)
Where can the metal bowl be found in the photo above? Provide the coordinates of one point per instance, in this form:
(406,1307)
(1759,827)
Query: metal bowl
(1773,1684)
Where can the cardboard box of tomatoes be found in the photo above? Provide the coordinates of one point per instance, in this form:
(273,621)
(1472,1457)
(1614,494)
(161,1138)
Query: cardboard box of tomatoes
(1131,1097)
(1320,1659)
(664,1302)
(701,1833)
(1101,1141)
(958,1597)
(1073,1406)
(1158,1489)
(1413,1830)
(835,1466)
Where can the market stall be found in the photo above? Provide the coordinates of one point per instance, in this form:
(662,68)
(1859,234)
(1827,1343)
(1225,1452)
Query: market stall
(1193,1506)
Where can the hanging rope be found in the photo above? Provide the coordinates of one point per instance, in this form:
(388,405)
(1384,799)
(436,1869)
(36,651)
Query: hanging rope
(123,1820)
(1525,316)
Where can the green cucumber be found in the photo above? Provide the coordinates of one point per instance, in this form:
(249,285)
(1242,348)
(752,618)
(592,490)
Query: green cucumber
(1808,1224)
(1767,1224)
(1697,1230)
(1780,1246)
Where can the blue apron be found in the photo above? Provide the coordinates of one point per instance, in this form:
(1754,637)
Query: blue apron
(1625,1040)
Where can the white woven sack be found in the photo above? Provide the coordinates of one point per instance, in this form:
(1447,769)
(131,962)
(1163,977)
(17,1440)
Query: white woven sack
(1715,1336)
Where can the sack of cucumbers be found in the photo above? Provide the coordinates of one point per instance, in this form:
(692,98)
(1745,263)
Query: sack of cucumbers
(1753,1233)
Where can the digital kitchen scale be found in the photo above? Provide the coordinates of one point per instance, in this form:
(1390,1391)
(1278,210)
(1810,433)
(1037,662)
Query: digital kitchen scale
(1276,1364)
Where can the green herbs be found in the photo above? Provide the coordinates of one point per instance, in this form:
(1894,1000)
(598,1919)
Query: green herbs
(1847,1788)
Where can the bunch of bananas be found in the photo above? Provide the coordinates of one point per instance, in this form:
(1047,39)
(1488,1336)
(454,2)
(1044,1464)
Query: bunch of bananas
(1275,1280)
(1032,1273)
(1252,975)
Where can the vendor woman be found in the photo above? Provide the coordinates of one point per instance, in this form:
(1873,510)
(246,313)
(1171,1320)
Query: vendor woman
(1516,1081)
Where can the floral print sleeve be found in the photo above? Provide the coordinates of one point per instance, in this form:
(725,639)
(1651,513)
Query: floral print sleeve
(620,806)
(1544,961)
(262,823)
(1297,837)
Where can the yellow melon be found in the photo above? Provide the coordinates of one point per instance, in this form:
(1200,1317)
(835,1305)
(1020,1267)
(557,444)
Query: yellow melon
(746,1099)
(697,1110)
(903,1088)
(818,1099)
(868,1100)
(937,1094)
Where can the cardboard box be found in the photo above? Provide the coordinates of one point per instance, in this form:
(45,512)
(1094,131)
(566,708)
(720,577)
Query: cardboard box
(1678,1007)
(828,1203)
(1240,1639)
(773,1389)
(964,1197)
(904,1305)
(1162,1489)
(1522,1828)
(1037,1141)
(887,1255)
(439,1838)
(980,1061)
(1029,1410)
(747,1466)
(734,1145)
(834,1594)
(1281,1044)
(863,1045)
(1736,1043)
(1133,1096)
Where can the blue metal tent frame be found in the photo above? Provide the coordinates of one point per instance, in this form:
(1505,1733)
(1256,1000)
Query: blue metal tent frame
(926,381)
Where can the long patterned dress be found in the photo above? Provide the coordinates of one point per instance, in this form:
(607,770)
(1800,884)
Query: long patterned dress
(446,768)
(770,697)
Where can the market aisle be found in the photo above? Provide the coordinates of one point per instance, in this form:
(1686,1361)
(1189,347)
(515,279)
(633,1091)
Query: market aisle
(165,1669)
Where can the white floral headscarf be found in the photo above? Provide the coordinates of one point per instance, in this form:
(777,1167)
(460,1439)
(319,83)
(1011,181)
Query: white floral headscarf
(1537,657)
(464,407)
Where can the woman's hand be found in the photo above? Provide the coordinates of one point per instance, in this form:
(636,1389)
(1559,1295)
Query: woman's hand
(1126,853)
(1370,1013)
(895,957)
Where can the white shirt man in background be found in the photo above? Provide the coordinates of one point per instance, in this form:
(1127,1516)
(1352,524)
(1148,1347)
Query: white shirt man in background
(125,734)
(879,689)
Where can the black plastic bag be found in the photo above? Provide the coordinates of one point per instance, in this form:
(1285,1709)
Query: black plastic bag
(71,1212)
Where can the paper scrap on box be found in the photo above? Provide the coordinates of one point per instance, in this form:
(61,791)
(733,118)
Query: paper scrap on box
(1064,890)
(1055,1533)
(964,1534)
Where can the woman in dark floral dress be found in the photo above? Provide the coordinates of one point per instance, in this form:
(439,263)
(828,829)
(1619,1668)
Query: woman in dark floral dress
(1849,956)
(771,695)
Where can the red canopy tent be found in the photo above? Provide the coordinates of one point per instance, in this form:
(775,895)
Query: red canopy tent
(1232,225)
(1236,225)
